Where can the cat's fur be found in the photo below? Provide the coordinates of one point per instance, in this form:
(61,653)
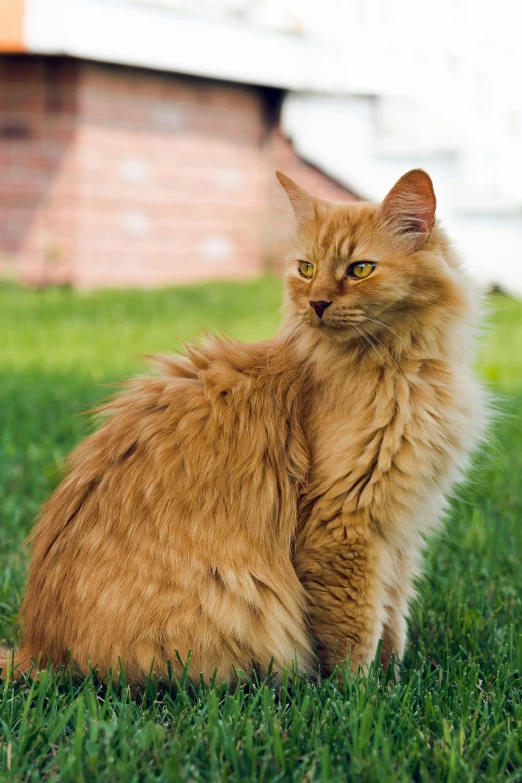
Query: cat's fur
(270,501)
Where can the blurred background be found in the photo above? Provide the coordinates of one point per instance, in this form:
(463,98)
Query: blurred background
(138,138)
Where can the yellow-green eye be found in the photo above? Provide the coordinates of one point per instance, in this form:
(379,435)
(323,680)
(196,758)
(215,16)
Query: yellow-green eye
(306,269)
(361,269)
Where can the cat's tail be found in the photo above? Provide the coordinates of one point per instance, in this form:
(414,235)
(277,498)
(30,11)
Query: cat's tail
(5,659)
(14,662)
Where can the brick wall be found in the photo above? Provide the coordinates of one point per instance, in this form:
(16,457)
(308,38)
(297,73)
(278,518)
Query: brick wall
(120,176)
(37,169)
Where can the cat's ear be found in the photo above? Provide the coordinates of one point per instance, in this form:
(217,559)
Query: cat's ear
(303,204)
(409,207)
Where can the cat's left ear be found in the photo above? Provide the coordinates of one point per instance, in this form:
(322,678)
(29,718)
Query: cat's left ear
(409,208)
(303,204)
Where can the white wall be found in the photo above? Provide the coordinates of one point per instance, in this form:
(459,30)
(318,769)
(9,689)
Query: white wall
(344,137)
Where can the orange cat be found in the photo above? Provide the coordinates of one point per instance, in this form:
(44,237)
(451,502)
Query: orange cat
(270,501)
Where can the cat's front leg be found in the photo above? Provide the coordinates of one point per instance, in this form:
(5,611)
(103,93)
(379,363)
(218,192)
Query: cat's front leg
(394,630)
(402,566)
(339,564)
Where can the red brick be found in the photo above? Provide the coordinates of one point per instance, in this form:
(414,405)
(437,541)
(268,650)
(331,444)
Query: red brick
(198,202)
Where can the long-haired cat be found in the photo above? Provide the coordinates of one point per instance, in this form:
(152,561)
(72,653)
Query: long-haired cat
(269,502)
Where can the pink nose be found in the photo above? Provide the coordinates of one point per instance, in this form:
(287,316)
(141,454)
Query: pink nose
(319,307)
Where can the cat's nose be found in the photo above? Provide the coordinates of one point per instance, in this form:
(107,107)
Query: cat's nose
(319,307)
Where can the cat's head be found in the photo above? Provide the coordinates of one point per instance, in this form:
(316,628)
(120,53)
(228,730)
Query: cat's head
(357,267)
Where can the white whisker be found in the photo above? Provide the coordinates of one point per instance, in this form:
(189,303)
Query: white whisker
(361,334)
(390,355)
(381,323)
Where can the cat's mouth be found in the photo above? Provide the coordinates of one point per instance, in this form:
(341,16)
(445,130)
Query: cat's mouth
(340,330)
(334,320)
(338,323)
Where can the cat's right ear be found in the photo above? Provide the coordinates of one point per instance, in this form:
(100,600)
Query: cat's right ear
(303,204)
(409,208)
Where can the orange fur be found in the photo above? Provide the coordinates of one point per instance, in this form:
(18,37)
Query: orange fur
(270,501)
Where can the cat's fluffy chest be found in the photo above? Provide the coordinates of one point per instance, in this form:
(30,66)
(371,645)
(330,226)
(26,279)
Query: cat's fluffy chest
(386,442)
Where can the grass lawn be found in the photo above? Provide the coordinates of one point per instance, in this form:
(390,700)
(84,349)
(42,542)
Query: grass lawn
(456,714)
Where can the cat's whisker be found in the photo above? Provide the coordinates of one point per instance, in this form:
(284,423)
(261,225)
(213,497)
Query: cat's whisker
(386,326)
(390,355)
(366,339)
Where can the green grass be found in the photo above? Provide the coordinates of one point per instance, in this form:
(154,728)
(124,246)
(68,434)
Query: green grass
(456,714)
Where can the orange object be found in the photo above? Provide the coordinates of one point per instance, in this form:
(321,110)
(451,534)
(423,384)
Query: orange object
(11,25)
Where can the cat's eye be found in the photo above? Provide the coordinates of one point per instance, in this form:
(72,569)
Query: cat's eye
(361,269)
(306,269)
